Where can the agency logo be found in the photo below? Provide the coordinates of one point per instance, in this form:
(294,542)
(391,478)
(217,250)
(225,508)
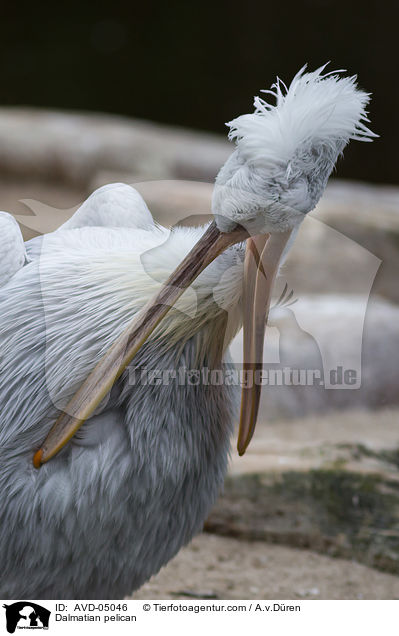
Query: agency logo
(26,615)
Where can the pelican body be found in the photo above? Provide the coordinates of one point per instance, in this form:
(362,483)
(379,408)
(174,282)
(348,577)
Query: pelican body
(138,480)
(96,516)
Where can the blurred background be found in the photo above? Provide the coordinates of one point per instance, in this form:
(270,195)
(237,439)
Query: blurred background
(140,92)
(199,65)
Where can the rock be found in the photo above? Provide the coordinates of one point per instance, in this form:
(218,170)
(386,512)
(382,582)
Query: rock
(329,485)
(342,348)
(333,512)
(73,148)
(178,202)
(352,222)
(201,594)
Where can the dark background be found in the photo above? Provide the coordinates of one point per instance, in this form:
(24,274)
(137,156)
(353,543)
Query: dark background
(199,64)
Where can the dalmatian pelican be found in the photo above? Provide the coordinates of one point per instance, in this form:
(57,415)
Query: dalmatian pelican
(102,479)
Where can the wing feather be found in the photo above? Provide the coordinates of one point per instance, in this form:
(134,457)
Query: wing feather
(12,249)
(112,205)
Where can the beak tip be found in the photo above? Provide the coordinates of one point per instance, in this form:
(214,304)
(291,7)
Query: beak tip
(37,458)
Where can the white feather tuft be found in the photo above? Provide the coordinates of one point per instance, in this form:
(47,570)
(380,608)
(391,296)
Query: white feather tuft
(314,109)
(286,152)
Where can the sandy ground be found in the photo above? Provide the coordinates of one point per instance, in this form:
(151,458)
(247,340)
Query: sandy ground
(219,567)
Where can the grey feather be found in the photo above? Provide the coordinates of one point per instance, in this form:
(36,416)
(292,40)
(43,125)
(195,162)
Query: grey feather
(138,480)
(12,249)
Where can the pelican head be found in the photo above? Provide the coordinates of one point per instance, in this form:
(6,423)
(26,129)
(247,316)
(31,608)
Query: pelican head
(284,156)
(277,173)
(286,152)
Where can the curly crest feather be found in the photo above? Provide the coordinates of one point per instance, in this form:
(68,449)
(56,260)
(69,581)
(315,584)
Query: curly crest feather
(286,152)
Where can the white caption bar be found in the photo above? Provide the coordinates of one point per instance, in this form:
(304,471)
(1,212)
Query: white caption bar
(136,617)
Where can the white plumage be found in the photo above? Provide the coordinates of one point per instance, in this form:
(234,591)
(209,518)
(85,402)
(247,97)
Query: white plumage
(139,478)
(12,254)
(286,152)
(116,204)
(131,488)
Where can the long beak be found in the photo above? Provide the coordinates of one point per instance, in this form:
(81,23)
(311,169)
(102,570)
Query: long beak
(111,366)
(262,259)
(261,265)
